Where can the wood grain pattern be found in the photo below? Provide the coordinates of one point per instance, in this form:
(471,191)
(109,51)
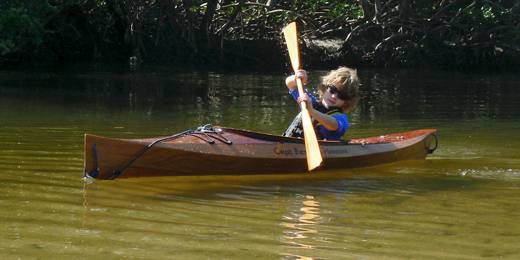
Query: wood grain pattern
(312,148)
(250,153)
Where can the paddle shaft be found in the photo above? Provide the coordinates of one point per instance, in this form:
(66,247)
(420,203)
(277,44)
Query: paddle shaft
(312,148)
(301,92)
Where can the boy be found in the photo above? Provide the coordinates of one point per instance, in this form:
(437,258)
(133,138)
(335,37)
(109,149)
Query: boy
(338,94)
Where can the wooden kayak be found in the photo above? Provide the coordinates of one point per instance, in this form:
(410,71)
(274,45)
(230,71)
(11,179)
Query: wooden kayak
(226,151)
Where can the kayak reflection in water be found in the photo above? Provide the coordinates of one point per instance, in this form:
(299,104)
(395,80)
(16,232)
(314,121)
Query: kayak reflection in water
(338,95)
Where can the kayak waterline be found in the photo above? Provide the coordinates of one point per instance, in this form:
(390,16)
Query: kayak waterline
(212,150)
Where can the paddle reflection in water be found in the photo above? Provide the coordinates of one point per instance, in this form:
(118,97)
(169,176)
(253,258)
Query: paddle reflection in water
(301,226)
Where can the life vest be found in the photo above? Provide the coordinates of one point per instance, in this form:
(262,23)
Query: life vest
(295,129)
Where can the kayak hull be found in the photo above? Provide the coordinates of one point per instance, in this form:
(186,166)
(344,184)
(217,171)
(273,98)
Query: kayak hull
(227,151)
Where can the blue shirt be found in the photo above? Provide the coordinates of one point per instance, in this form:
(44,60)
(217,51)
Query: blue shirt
(323,132)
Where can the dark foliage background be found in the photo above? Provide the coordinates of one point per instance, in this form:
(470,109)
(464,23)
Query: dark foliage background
(240,33)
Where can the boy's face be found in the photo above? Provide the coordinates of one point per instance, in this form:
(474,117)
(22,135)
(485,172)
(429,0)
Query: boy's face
(331,98)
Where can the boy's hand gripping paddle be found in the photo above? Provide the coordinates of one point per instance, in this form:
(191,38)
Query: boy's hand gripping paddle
(312,147)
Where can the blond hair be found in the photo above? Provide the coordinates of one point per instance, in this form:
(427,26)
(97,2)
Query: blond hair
(347,82)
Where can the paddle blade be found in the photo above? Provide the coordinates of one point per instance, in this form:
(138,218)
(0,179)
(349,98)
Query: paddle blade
(312,148)
(290,33)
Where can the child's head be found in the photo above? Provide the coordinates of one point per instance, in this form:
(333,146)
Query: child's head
(346,83)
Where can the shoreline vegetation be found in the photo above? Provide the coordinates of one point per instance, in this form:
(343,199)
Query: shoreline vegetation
(463,34)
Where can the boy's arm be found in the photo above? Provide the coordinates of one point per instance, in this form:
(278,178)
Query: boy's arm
(325,120)
(290,81)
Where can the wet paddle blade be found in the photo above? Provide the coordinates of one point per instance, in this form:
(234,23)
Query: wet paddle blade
(312,148)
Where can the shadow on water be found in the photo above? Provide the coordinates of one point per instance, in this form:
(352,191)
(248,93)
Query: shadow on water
(226,97)
(404,176)
(409,94)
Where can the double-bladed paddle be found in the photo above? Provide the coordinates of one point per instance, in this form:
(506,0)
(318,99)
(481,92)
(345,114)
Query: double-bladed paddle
(312,147)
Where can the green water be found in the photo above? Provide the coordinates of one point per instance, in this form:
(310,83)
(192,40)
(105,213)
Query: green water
(461,203)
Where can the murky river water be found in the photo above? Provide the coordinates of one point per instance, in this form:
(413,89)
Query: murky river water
(463,202)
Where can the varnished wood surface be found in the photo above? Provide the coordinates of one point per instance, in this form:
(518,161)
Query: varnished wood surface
(249,153)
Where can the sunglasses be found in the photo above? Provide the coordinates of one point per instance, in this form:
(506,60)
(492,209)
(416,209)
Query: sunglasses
(335,91)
